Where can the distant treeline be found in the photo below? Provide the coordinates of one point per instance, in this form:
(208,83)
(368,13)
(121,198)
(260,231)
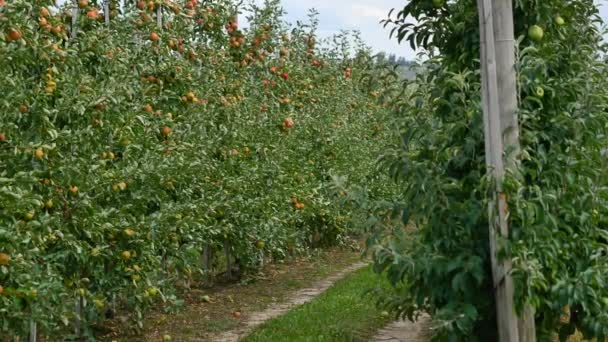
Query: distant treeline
(393,59)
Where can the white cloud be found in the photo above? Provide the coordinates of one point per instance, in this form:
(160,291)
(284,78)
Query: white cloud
(368,11)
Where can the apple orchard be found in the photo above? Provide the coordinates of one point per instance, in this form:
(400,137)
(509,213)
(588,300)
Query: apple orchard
(129,148)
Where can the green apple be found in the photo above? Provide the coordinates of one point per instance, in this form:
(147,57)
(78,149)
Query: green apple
(540,92)
(536,33)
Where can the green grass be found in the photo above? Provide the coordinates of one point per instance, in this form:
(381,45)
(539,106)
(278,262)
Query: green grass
(342,313)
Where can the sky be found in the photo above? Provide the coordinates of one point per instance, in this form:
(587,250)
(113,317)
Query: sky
(364,15)
(361,15)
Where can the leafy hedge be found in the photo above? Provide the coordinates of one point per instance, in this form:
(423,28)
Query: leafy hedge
(127,149)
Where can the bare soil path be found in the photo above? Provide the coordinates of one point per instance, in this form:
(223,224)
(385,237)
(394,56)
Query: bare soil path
(405,331)
(259,298)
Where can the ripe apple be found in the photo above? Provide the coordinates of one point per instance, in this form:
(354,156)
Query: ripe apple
(288,123)
(125,255)
(148,108)
(83,3)
(166,131)
(300,205)
(122,186)
(154,36)
(285,76)
(39,153)
(5,259)
(2,137)
(23,109)
(44,12)
(14,34)
(141,5)
(57,29)
(93,14)
(236,314)
(50,89)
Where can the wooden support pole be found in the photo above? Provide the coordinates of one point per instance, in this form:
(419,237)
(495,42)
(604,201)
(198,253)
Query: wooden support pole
(106,12)
(206,258)
(79,316)
(228,264)
(159,16)
(33,331)
(75,13)
(504,38)
(507,320)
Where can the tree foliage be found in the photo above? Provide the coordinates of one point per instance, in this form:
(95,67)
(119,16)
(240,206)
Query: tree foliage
(557,199)
(127,149)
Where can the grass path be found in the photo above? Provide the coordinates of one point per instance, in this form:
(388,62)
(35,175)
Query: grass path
(300,297)
(342,313)
(201,320)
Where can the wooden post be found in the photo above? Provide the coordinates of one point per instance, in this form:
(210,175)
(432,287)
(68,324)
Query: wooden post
(509,123)
(206,262)
(106,12)
(497,210)
(228,264)
(33,331)
(75,13)
(79,315)
(159,16)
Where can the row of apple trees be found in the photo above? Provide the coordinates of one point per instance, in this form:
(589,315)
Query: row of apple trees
(440,264)
(127,149)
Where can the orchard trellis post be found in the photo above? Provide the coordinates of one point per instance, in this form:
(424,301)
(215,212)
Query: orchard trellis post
(33,337)
(499,101)
(159,16)
(75,13)
(106,12)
